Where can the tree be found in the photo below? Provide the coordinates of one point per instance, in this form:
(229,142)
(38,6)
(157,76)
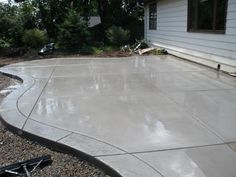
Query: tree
(124,13)
(11,28)
(117,35)
(34,38)
(53,12)
(73,32)
(50,15)
(28,15)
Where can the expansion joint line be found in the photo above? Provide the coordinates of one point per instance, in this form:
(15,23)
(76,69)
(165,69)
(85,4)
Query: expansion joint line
(39,97)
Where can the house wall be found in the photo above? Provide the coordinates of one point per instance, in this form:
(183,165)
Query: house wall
(205,48)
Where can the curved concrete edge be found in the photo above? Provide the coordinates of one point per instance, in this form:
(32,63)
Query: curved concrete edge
(14,121)
(56,146)
(114,161)
(8,106)
(78,141)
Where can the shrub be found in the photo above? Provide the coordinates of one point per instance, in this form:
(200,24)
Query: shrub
(4,43)
(117,35)
(34,38)
(100,50)
(86,50)
(97,50)
(11,30)
(73,32)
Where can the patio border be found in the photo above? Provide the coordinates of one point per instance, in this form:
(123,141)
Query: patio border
(53,145)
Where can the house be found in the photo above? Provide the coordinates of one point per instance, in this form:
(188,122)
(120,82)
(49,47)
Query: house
(93,21)
(203,31)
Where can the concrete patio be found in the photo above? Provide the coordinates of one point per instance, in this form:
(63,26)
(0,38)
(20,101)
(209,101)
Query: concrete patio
(144,116)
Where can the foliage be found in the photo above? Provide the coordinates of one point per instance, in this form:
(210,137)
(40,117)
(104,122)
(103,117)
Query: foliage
(28,15)
(53,13)
(64,26)
(120,13)
(4,43)
(86,50)
(160,51)
(97,33)
(100,50)
(117,35)
(11,29)
(97,50)
(34,38)
(73,32)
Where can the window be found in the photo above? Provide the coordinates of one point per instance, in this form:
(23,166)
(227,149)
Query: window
(153,16)
(207,15)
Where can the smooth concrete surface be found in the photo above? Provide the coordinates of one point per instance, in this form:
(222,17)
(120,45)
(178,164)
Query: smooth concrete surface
(233,146)
(215,161)
(142,115)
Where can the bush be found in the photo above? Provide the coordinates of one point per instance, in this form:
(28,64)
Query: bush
(34,38)
(4,43)
(117,35)
(73,32)
(100,50)
(86,50)
(11,30)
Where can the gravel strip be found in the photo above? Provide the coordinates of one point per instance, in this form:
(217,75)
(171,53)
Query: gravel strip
(15,149)
(6,82)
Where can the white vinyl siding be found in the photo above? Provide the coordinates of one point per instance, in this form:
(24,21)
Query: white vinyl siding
(172,30)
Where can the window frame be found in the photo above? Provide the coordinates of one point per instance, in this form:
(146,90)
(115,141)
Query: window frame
(214,31)
(152,21)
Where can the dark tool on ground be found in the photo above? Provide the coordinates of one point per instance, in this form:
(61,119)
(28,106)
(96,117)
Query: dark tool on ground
(26,167)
